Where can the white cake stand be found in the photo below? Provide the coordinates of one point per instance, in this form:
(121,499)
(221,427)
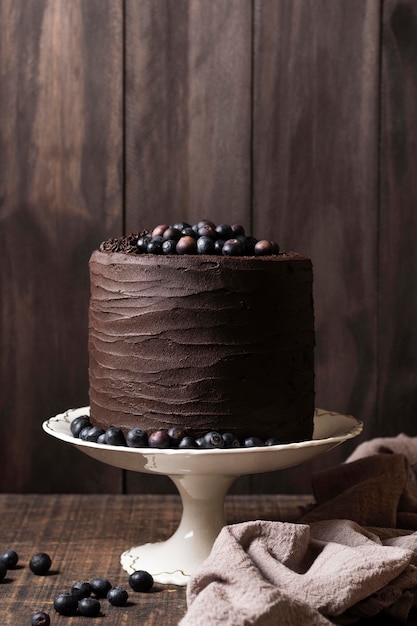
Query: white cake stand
(203,478)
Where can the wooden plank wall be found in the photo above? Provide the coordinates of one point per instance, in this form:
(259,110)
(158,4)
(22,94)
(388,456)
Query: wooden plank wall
(295,117)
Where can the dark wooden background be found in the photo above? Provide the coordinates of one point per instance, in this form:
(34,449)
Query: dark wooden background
(294,117)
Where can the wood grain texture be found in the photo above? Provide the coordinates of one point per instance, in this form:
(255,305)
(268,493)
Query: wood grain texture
(397,396)
(85,536)
(188,111)
(60,189)
(315,179)
(295,117)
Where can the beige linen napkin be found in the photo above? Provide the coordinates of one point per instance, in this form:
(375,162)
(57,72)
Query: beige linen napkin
(354,555)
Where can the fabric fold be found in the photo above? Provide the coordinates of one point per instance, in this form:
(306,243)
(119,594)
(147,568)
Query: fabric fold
(352,556)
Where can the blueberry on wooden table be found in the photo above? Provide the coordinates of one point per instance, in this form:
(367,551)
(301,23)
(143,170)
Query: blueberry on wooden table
(100,586)
(40,619)
(141,580)
(117,596)
(81,589)
(9,558)
(40,563)
(89,607)
(3,571)
(66,604)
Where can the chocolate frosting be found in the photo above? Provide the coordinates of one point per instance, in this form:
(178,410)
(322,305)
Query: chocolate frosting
(202,342)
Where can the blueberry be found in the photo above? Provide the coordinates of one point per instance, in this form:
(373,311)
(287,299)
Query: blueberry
(141,580)
(154,246)
(186,245)
(169,246)
(89,607)
(91,433)
(207,230)
(159,230)
(200,442)
(275,247)
(187,442)
(176,434)
(172,233)
(224,231)
(40,619)
(159,439)
(100,587)
(115,436)
(40,563)
(263,248)
(77,424)
(117,596)
(181,225)
(137,438)
(3,571)
(142,244)
(250,245)
(218,246)
(102,438)
(189,232)
(230,440)
(232,247)
(81,589)
(203,223)
(273,441)
(9,559)
(66,604)
(253,442)
(205,245)
(213,439)
(243,241)
(238,229)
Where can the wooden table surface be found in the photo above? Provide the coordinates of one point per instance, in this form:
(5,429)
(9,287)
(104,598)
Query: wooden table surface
(85,536)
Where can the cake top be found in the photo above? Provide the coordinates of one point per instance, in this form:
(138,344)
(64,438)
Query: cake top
(182,238)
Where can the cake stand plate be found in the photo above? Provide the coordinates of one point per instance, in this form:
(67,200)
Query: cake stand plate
(203,478)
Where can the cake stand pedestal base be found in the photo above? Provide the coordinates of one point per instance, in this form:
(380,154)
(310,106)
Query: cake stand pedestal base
(175,560)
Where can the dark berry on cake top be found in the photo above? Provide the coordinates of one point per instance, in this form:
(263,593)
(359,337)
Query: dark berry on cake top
(204,237)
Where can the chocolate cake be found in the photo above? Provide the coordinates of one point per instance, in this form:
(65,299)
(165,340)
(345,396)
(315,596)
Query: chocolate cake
(202,342)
